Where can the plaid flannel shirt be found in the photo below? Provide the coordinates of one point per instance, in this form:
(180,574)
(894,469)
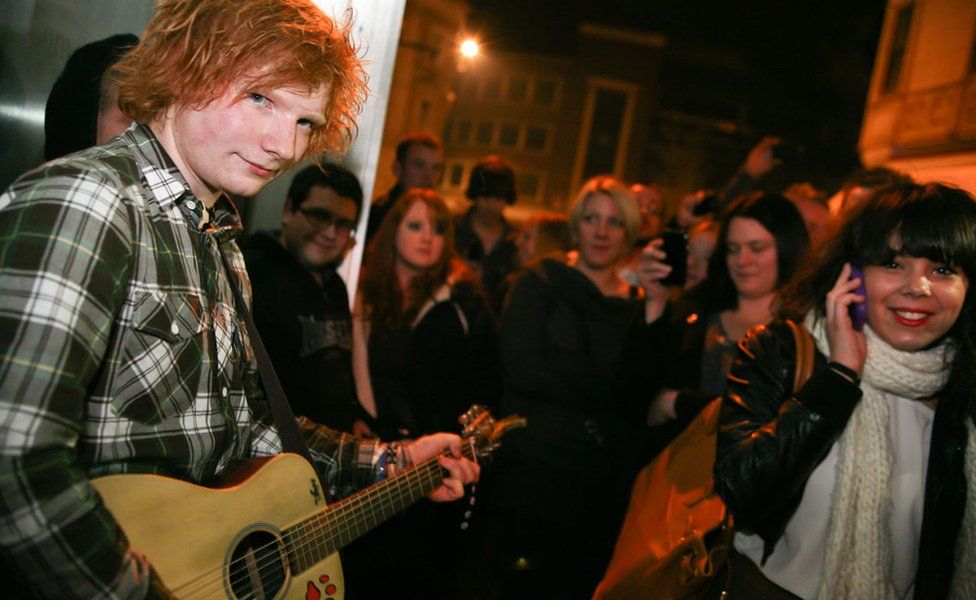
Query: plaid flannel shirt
(121,353)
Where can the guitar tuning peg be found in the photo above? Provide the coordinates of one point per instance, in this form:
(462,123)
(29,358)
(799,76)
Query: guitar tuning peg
(472,414)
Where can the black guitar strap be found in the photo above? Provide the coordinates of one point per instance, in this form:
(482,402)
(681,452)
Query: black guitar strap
(284,418)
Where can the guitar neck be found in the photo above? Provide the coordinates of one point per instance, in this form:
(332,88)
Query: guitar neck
(343,522)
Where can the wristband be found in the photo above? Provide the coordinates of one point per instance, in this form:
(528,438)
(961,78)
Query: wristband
(388,460)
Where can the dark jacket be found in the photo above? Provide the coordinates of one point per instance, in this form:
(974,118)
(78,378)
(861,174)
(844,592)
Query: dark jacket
(381,206)
(425,376)
(495,263)
(681,366)
(566,349)
(307,330)
(771,441)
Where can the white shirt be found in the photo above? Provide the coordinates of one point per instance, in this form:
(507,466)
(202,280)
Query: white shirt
(797,561)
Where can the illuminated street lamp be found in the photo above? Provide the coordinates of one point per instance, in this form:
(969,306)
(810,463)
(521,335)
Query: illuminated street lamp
(469,48)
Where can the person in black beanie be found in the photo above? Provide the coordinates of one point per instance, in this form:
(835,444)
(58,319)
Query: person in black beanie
(483,236)
(82,109)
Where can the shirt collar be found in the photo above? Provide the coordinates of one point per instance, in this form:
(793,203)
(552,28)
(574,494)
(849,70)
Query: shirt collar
(168,187)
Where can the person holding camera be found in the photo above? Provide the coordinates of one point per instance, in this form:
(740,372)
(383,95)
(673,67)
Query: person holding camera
(760,242)
(560,489)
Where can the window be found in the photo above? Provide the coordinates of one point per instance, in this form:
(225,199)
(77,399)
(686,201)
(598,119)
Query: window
(608,116)
(508,135)
(448,129)
(536,138)
(544,93)
(606,130)
(455,175)
(462,131)
(483,135)
(899,42)
(518,87)
(492,89)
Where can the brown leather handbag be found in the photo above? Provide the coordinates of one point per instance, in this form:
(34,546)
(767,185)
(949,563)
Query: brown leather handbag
(677,533)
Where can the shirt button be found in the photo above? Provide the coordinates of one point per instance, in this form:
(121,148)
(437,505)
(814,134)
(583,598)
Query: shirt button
(175,329)
(191,204)
(223,391)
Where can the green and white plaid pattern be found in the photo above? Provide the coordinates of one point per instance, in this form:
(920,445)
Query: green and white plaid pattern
(121,353)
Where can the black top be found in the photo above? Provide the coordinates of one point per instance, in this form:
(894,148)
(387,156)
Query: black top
(581,367)
(426,375)
(381,206)
(307,329)
(495,264)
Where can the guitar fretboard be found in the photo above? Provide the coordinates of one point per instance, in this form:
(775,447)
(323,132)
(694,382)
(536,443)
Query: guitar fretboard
(341,523)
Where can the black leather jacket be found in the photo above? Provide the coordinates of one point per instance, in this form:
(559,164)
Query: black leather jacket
(771,440)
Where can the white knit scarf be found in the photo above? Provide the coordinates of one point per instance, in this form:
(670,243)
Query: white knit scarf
(857,561)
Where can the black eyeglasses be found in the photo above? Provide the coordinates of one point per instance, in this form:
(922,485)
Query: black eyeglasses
(326,218)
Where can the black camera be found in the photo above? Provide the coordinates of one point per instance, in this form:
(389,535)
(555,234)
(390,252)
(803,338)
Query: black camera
(675,248)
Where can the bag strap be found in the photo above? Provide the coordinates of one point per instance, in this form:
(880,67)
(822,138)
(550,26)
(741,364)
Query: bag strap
(284,418)
(805,353)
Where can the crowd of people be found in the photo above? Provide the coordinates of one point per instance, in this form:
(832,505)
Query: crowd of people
(572,322)
(608,328)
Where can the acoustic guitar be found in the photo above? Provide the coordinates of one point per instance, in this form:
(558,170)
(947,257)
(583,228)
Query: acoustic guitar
(268,534)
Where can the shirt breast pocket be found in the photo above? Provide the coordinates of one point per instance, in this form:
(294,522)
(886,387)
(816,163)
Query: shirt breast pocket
(161,359)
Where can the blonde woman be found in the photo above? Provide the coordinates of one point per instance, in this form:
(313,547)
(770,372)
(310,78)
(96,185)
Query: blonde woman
(562,484)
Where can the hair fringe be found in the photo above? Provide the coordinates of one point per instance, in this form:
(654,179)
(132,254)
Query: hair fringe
(383,300)
(192,53)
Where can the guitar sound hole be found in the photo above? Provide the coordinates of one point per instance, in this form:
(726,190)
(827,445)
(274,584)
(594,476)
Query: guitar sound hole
(257,569)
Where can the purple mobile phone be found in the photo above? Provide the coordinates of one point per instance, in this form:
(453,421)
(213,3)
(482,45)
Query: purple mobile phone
(858,310)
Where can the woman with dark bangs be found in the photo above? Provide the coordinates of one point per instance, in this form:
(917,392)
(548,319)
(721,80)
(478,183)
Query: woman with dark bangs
(863,483)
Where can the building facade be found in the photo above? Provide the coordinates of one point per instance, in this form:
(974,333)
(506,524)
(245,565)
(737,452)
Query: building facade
(557,119)
(921,110)
(427,62)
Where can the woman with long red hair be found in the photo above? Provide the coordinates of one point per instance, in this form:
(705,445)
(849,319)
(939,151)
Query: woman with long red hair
(424,349)
(424,338)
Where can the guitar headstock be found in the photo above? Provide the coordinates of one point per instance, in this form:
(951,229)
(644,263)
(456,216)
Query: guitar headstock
(483,432)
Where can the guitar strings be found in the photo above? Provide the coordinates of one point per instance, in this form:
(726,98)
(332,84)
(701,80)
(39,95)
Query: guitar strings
(273,558)
(409,476)
(326,524)
(328,527)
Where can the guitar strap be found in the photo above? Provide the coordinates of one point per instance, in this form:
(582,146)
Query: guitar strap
(284,418)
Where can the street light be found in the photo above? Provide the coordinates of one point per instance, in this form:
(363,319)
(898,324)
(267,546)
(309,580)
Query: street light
(469,48)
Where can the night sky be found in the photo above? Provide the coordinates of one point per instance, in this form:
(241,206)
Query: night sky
(807,65)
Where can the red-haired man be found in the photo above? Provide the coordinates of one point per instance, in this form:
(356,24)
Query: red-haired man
(122,348)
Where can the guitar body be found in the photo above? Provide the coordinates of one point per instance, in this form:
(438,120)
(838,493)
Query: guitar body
(268,534)
(226,542)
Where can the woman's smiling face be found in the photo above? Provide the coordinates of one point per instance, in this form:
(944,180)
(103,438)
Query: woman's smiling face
(912,301)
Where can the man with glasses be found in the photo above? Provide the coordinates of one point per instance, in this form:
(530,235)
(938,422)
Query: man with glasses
(301,306)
